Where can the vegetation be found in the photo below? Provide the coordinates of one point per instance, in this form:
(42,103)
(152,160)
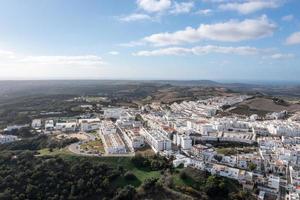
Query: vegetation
(58,174)
(23,132)
(24,176)
(95,145)
(201,185)
(155,162)
(252,166)
(227,151)
(37,143)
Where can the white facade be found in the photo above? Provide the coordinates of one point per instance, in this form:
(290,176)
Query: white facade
(184,141)
(156,140)
(36,123)
(107,127)
(66,126)
(87,125)
(113,143)
(15,127)
(49,125)
(274,182)
(7,138)
(113,112)
(133,138)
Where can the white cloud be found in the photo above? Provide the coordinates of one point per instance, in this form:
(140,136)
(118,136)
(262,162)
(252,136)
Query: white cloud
(9,57)
(293,39)
(250,6)
(114,53)
(19,66)
(86,60)
(200,50)
(204,12)
(7,54)
(287,18)
(135,17)
(132,44)
(279,56)
(215,1)
(183,7)
(154,5)
(230,31)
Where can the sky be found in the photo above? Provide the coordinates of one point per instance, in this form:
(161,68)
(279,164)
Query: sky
(240,40)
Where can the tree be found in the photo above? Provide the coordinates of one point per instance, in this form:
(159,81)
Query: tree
(126,193)
(215,188)
(252,166)
(218,158)
(149,183)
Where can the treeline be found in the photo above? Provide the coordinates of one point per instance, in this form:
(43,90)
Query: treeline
(37,143)
(200,184)
(25,176)
(151,163)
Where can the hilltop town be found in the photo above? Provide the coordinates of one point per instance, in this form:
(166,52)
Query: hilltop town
(260,152)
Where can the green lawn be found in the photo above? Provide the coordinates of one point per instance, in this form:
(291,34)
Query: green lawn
(194,178)
(233,151)
(140,177)
(54,152)
(114,162)
(188,181)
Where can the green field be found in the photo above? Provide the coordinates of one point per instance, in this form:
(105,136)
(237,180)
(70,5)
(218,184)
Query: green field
(96,145)
(114,162)
(54,152)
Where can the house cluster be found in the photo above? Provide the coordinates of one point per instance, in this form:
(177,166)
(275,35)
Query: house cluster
(66,125)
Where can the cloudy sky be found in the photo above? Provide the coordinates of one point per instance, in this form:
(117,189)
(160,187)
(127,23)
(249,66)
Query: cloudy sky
(150,39)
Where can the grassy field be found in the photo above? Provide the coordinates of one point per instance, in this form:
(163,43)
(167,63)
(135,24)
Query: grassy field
(55,152)
(96,145)
(194,178)
(183,182)
(114,162)
(145,151)
(233,151)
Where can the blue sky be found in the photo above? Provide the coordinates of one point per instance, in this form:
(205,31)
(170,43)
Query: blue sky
(150,39)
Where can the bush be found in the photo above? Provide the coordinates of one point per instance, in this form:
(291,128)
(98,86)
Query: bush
(126,193)
(183,175)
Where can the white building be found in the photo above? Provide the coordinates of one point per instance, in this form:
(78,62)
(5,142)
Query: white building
(36,123)
(87,125)
(113,112)
(49,125)
(7,138)
(157,140)
(184,141)
(107,127)
(133,138)
(113,143)
(15,127)
(274,182)
(66,126)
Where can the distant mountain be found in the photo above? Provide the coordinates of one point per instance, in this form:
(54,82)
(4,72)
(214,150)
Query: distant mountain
(207,83)
(84,87)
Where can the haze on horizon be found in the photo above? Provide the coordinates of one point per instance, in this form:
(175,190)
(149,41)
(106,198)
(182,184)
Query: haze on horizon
(150,39)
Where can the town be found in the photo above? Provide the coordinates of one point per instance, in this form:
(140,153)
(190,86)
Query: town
(261,153)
